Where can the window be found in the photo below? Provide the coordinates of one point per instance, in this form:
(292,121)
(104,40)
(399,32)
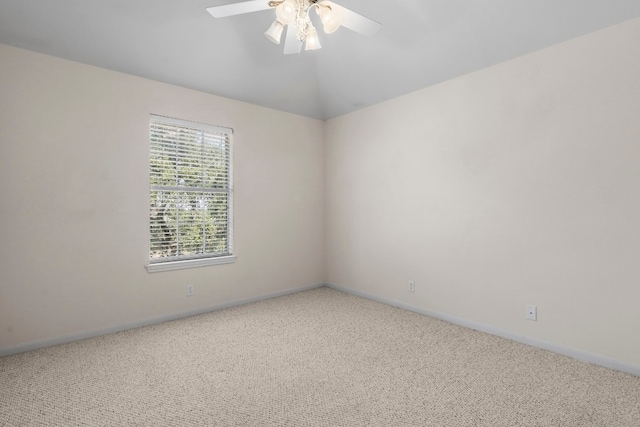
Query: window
(191,194)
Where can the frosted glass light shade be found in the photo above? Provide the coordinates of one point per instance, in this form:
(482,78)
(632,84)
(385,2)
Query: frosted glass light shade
(330,21)
(274,33)
(312,40)
(286,11)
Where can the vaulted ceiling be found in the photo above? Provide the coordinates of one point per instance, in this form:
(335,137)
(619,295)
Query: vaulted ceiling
(421,43)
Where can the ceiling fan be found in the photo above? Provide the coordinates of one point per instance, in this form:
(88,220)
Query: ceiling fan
(294,16)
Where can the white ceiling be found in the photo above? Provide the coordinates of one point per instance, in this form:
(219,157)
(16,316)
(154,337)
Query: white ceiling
(421,43)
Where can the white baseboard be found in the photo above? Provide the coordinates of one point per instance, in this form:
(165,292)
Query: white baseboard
(49,342)
(567,351)
(534,342)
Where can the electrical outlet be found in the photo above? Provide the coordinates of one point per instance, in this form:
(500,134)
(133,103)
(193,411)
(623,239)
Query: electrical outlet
(412,286)
(189,290)
(532,312)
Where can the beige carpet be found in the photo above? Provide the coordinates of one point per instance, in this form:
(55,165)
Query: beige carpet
(316,358)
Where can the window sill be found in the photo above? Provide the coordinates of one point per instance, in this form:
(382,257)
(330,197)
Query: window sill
(191,263)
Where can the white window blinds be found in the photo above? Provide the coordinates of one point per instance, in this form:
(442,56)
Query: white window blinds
(190,212)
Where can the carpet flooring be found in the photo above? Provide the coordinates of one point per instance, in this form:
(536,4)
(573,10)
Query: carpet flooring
(315,358)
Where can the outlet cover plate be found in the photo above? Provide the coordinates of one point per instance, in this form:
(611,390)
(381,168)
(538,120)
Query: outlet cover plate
(532,312)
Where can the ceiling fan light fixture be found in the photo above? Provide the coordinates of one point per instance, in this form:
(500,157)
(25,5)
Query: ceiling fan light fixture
(287,11)
(312,42)
(330,21)
(294,17)
(274,33)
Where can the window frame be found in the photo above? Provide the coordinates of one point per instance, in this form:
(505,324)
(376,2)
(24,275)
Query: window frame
(204,259)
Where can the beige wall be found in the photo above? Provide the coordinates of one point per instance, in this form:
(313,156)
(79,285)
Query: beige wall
(74,200)
(518,184)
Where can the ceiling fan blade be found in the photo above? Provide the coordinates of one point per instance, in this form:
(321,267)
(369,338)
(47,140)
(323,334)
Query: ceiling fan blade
(238,8)
(354,21)
(291,43)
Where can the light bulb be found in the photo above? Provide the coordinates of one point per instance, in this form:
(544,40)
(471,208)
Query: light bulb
(274,33)
(330,21)
(312,40)
(286,11)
